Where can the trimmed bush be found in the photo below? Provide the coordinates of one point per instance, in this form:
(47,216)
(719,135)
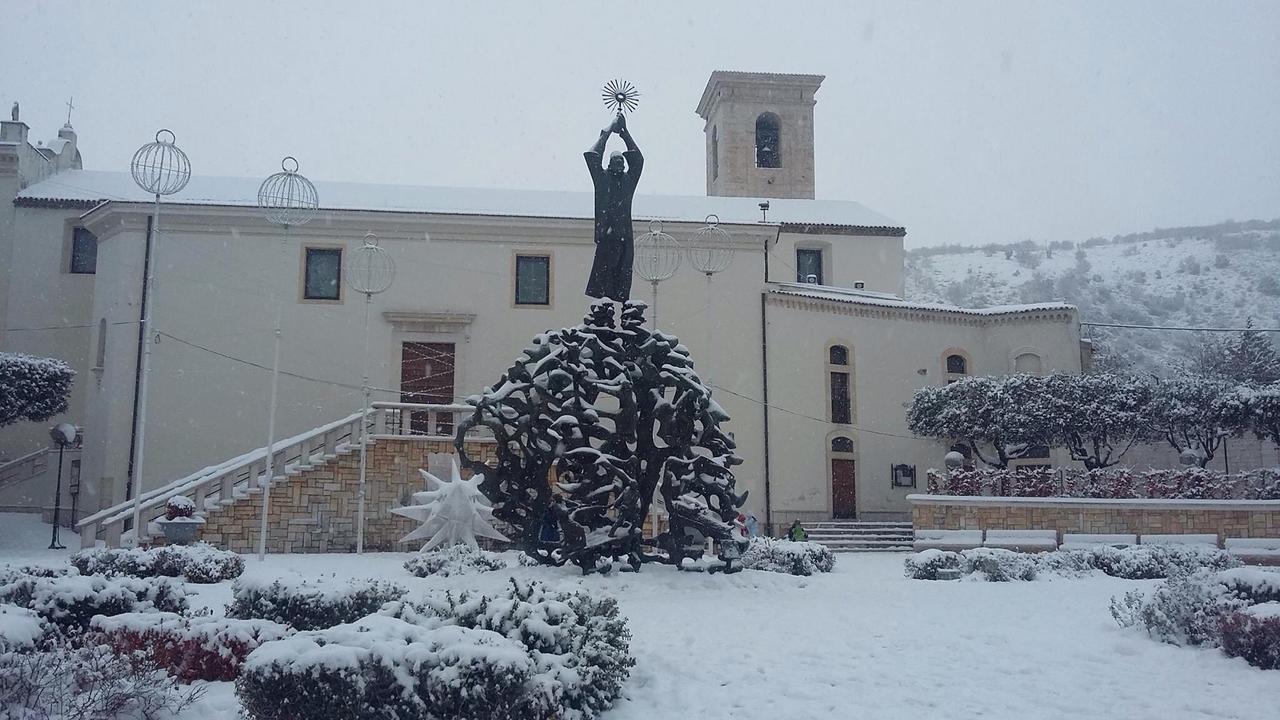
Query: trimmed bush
(310,604)
(527,653)
(21,629)
(70,602)
(1188,610)
(1147,562)
(455,560)
(998,565)
(925,565)
(87,683)
(1254,634)
(787,556)
(198,563)
(189,648)
(33,388)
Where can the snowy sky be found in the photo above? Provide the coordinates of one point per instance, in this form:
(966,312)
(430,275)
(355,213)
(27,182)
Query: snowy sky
(970,123)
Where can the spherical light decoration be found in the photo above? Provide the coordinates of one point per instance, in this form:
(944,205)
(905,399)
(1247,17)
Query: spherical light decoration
(953,460)
(371,270)
(710,248)
(657,254)
(287,197)
(160,167)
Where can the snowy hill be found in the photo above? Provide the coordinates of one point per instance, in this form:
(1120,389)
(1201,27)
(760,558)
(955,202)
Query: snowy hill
(1216,275)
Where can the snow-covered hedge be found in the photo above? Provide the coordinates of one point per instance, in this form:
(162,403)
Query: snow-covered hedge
(32,388)
(786,556)
(310,604)
(527,653)
(1192,483)
(71,601)
(454,560)
(1237,610)
(190,648)
(198,563)
(1139,562)
(20,629)
(90,682)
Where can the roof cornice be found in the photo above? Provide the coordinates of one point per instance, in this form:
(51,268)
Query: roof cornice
(872,308)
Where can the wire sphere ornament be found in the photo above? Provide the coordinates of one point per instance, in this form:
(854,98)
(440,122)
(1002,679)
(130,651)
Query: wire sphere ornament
(371,270)
(710,248)
(657,254)
(160,167)
(620,96)
(288,197)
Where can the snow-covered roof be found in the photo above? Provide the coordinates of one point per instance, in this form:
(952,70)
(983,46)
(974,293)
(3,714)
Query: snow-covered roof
(864,297)
(90,186)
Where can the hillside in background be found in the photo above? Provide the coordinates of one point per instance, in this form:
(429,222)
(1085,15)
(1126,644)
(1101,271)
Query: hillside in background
(1209,276)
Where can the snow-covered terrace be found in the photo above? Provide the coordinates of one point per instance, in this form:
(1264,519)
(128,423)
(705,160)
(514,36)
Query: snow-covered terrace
(885,300)
(85,188)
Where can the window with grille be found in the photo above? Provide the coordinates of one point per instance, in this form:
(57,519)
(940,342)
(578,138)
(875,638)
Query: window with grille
(322,276)
(533,280)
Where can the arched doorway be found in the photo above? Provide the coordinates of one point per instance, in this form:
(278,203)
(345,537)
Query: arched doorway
(844,489)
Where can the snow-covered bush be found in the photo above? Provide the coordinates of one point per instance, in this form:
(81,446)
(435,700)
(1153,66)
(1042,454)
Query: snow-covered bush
(21,629)
(998,564)
(787,556)
(1251,584)
(93,682)
(190,648)
(1111,483)
(198,563)
(310,604)
(32,388)
(179,506)
(1254,634)
(70,602)
(1147,562)
(454,560)
(1188,609)
(526,653)
(925,565)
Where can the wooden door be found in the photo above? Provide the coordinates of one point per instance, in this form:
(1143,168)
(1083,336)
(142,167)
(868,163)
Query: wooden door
(426,376)
(844,496)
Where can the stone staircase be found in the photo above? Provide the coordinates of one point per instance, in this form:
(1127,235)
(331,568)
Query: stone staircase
(856,536)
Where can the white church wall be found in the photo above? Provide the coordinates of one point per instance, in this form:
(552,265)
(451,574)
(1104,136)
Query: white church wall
(874,260)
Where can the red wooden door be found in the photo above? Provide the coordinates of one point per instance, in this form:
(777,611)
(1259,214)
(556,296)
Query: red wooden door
(844,495)
(426,376)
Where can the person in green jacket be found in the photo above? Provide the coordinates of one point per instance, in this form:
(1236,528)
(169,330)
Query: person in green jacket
(796,533)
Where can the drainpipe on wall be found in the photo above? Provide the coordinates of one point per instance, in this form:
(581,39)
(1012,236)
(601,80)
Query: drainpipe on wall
(764,352)
(137,367)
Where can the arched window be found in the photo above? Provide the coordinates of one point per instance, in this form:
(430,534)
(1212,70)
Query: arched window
(840,385)
(768,141)
(1027,362)
(715,154)
(841,445)
(957,365)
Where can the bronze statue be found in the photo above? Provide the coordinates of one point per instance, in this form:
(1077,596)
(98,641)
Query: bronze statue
(14,112)
(615,186)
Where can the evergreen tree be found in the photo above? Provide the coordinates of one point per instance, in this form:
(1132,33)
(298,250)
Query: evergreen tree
(32,388)
(1252,358)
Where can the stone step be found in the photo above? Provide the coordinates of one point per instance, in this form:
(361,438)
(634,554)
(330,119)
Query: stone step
(860,538)
(887,548)
(866,543)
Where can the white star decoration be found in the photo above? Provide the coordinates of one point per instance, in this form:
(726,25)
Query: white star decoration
(452,512)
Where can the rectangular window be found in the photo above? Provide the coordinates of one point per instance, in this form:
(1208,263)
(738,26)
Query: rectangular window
(84,252)
(841,408)
(533,280)
(323,274)
(904,475)
(809,266)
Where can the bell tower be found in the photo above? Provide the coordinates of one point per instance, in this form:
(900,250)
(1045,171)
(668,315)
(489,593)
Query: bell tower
(759,129)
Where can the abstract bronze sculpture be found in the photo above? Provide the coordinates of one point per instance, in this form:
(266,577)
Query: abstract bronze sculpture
(590,422)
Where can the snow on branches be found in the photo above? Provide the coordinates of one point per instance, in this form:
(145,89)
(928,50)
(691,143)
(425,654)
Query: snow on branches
(613,414)
(32,388)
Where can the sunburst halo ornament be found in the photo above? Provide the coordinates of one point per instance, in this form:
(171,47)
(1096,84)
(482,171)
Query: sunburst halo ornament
(620,96)
(452,512)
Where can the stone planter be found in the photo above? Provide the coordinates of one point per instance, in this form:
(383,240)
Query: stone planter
(180,531)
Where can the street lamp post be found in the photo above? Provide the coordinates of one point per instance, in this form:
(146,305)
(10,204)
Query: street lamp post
(371,272)
(63,434)
(159,168)
(286,199)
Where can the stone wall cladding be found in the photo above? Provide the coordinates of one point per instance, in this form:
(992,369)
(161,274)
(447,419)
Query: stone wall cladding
(1238,520)
(315,511)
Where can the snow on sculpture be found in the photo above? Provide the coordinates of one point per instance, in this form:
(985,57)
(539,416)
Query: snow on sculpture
(452,512)
(590,423)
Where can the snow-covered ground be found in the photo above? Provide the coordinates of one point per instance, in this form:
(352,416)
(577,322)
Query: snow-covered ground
(863,641)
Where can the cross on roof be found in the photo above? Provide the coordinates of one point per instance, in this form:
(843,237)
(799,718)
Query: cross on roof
(70,107)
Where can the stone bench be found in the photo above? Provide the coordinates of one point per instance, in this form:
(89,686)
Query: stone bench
(1184,539)
(1255,551)
(1086,541)
(953,540)
(1023,540)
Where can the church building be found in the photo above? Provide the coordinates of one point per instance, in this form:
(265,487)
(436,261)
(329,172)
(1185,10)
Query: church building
(804,336)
